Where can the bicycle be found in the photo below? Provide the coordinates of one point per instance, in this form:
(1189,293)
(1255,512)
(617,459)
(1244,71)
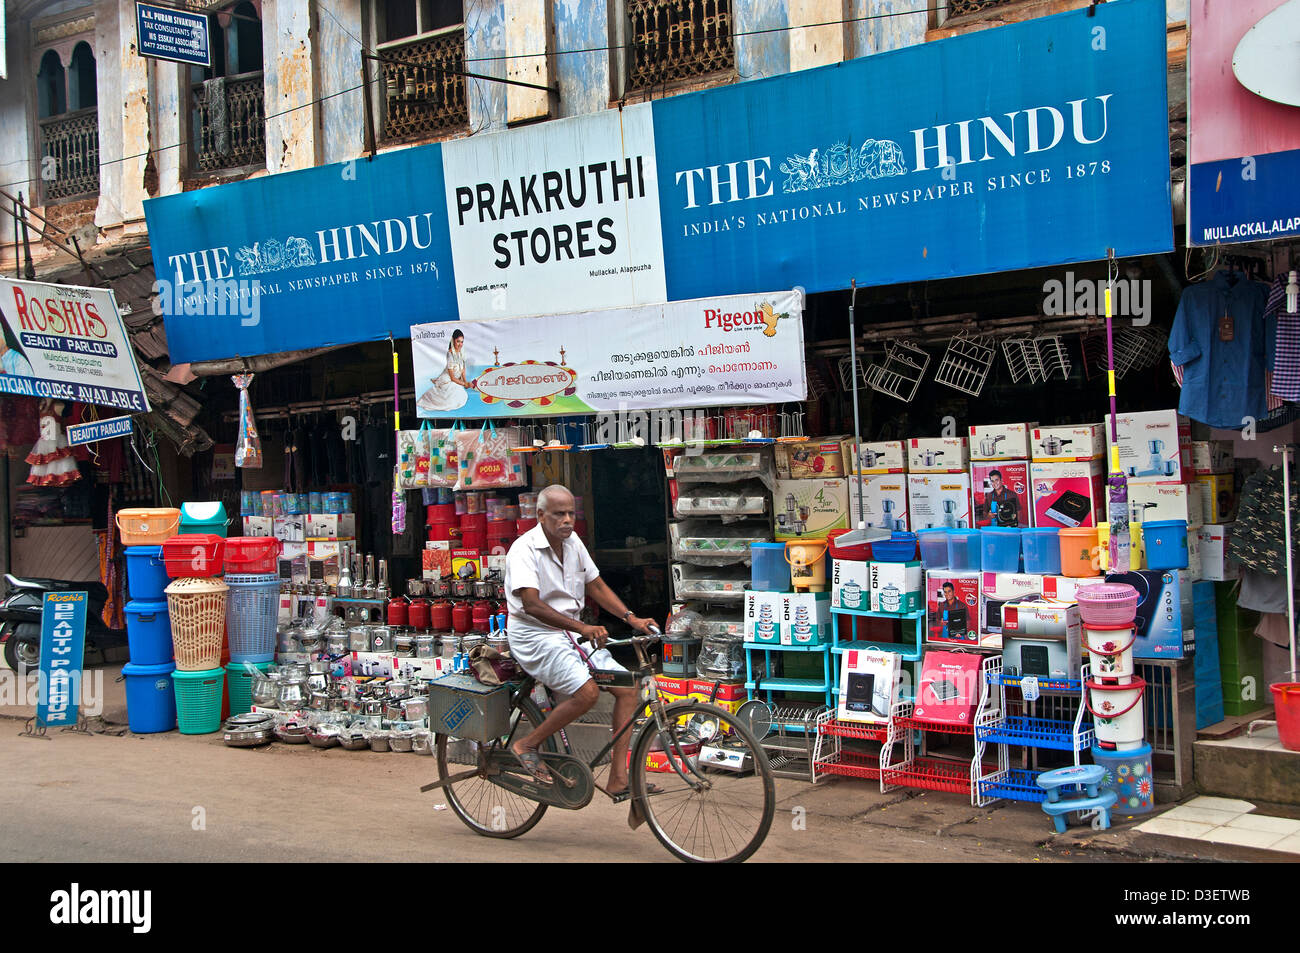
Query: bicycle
(700,756)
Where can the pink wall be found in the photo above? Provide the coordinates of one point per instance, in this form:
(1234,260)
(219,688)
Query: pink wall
(1224,119)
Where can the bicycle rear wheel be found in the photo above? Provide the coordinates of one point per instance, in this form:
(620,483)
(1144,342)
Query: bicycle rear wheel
(486,807)
(726,815)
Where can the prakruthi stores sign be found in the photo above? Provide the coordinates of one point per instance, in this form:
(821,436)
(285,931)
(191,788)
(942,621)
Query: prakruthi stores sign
(1033,144)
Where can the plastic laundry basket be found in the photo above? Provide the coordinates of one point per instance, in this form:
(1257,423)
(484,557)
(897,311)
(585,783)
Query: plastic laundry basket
(239,684)
(252,609)
(198,611)
(198,700)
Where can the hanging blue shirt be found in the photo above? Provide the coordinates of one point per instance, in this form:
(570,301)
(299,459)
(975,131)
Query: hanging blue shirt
(1223,381)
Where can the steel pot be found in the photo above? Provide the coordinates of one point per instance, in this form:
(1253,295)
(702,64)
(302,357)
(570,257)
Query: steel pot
(415,709)
(247,736)
(310,638)
(354,740)
(266,689)
(393,711)
(336,643)
(293,694)
(338,703)
(379,741)
(359,638)
(439,588)
(498,589)
(424,646)
(462,588)
(482,589)
(421,742)
(373,706)
(401,741)
(319,701)
(292,733)
(398,687)
(324,736)
(403,644)
(381,639)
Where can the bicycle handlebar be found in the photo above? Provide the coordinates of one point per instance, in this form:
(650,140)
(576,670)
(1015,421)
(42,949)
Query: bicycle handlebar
(654,636)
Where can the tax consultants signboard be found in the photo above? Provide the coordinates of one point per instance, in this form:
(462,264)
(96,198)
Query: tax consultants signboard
(1034,144)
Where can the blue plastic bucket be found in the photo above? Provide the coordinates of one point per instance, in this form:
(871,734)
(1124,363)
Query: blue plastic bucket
(899,548)
(769,571)
(150,701)
(252,610)
(1000,549)
(1042,550)
(934,548)
(1165,542)
(964,550)
(1129,775)
(146,575)
(149,632)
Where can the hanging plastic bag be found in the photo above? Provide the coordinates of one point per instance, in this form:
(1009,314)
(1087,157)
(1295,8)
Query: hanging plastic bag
(423,454)
(399,506)
(442,456)
(407,442)
(484,460)
(248,448)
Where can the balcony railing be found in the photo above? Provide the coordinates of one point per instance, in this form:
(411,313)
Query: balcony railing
(960,8)
(423,94)
(70,155)
(231,122)
(674,40)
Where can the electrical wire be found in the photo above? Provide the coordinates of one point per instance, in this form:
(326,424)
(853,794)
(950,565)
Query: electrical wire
(505,56)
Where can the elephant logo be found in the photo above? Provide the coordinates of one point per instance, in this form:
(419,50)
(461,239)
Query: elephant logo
(274,255)
(842,164)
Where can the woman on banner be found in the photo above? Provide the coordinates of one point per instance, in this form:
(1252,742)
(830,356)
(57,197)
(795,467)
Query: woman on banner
(450,389)
(12,359)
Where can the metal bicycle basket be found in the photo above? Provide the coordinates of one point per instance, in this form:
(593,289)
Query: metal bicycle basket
(463,707)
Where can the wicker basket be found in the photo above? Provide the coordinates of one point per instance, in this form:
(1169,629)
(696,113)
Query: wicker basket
(198,613)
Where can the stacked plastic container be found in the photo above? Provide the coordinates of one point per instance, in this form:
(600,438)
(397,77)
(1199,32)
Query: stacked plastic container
(150,704)
(196,600)
(1115,694)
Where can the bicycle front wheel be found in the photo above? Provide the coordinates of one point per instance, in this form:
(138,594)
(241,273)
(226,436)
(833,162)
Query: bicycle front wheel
(722,809)
(486,807)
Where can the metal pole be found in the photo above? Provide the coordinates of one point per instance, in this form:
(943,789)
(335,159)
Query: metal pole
(1285,450)
(857,429)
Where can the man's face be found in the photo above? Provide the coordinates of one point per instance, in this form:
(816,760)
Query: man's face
(996,481)
(557,519)
(948,593)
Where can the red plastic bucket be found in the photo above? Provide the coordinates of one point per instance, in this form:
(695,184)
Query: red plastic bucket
(859,553)
(193,554)
(1286,702)
(252,555)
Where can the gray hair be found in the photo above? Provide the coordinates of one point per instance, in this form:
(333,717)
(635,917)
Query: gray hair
(552,493)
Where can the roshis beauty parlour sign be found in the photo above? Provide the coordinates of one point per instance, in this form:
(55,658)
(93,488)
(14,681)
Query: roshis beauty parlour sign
(67,343)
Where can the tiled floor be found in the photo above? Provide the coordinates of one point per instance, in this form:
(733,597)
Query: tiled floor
(1265,738)
(1222,820)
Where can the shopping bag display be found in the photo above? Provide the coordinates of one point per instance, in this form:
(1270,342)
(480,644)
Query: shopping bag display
(485,461)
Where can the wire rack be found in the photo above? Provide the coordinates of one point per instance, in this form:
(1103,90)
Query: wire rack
(1053,358)
(966,363)
(1093,344)
(1137,349)
(900,374)
(1022,360)
(792,745)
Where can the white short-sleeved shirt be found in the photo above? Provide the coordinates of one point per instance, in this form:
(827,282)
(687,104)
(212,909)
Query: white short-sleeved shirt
(531,564)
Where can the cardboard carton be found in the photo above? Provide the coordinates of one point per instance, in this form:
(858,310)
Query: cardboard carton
(939,500)
(884,501)
(1068,494)
(1154,447)
(874,458)
(1042,639)
(1000,441)
(809,509)
(1068,444)
(1165,501)
(1000,493)
(896,587)
(1218,497)
(817,459)
(952,607)
(949,689)
(868,686)
(937,455)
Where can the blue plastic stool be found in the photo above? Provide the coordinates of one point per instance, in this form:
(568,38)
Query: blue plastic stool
(1087,776)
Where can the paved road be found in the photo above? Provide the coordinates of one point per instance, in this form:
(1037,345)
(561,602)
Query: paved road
(77,798)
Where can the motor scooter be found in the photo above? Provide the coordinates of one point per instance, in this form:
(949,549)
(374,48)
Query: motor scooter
(20,619)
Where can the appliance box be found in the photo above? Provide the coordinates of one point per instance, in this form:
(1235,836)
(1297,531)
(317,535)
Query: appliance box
(1211,456)
(1218,498)
(937,455)
(896,587)
(805,618)
(883,501)
(1068,495)
(882,457)
(1066,588)
(1041,638)
(1160,611)
(1215,544)
(958,624)
(290,529)
(809,509)
(763,617)
(1154,446)
(258,525)
(1014,476)
(1000,441)
(999,588)
(1165,501)
(850,584)
(868,686)
(1068,444)
(949,688)
(818,459)
(939,500)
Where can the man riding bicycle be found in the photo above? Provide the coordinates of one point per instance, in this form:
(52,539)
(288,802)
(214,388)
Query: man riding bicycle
(549,576)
